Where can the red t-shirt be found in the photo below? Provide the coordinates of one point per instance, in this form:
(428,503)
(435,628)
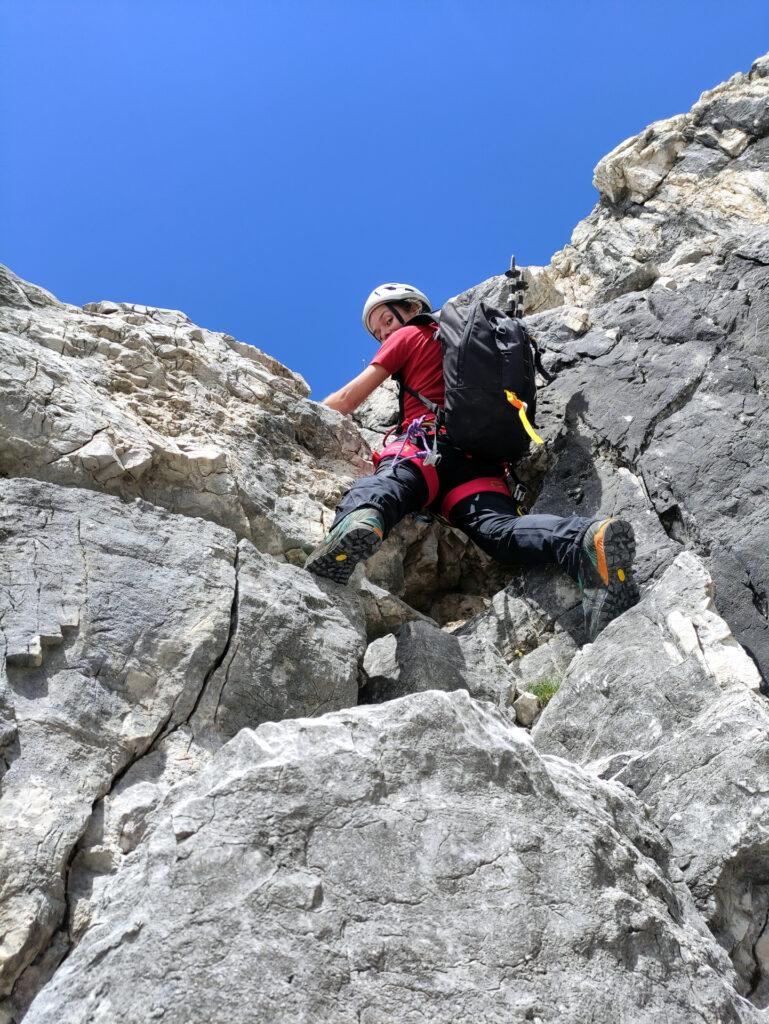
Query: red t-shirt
(414,353)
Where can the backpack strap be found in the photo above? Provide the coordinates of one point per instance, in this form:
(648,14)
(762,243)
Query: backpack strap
(398,378)
(434,409)
(538,359)
(520,405)
(424,318)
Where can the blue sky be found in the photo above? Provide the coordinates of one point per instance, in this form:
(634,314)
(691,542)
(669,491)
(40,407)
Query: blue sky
(263,165)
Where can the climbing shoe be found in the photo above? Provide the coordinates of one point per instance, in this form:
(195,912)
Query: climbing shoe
(606,573)
(352,540)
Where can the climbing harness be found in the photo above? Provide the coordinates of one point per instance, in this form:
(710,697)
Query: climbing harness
(417,436)
(414,446)
(518,490)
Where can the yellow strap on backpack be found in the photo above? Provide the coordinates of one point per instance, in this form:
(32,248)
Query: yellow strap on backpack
(515,401)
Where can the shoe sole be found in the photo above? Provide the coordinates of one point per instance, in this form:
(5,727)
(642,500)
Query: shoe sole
(339,561)
(615,547)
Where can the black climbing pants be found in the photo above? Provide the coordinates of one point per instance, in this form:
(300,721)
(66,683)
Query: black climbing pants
(472,495)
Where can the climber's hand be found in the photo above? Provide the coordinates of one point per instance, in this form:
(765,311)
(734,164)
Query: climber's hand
(351,395)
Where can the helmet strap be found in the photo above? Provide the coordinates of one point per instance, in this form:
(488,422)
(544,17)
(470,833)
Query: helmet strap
(395,312)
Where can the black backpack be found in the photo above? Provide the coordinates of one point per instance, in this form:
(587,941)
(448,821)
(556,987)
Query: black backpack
(489,370)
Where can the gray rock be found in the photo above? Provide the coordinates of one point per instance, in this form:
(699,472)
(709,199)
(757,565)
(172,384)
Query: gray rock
(680,399)
(378,413)
(648,674)
(665,701)
(526,707)
(122,624)
(422,657)
(707,787)
(140,402)
(675,258)
(512,625)
(434,568)
(381,665)
(415,860)
(294,650)
(384,612)
(680,177)
(112,617)
(547,663)
(454,610)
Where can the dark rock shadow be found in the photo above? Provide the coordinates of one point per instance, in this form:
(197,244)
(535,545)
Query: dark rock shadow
(421,658)
(571,485)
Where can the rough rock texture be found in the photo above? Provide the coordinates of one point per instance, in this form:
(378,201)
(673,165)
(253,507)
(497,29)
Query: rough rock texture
(436,569)
(140,402)
(669,198)
(671,195)
(526,707)
(666,702)
(664,377)
(343,862)
(385,613)
(107,640)
(378,413)
(422,657)
(120,623)
(294,650)
(415,859)
(511,624)
(690,375)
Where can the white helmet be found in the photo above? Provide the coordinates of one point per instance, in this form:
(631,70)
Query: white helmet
(393,292)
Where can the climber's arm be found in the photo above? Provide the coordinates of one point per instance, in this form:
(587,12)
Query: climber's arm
(351,395)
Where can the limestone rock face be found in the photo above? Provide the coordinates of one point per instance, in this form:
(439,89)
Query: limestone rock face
(667,702)
(670,198)
(436,570)
(196,822)
(422,657)
(665,382)
(112,617)
(120,625)
(671,384)
(705,170)
(294,650)
(384,612)
(378,413)
(343,861)
(140,402)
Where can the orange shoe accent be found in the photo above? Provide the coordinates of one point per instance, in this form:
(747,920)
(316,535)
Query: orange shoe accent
(378,532)
(603,568)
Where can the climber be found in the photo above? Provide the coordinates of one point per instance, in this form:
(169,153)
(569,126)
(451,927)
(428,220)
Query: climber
(420,470)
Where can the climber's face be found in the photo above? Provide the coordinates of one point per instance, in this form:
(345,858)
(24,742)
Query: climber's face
(383,322)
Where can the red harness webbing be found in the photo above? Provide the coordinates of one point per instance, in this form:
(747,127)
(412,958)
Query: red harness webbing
(408,452)
(481,483)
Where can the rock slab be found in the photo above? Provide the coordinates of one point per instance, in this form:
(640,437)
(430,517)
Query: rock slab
(333,870)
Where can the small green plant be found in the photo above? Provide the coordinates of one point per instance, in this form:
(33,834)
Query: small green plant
(545,690)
